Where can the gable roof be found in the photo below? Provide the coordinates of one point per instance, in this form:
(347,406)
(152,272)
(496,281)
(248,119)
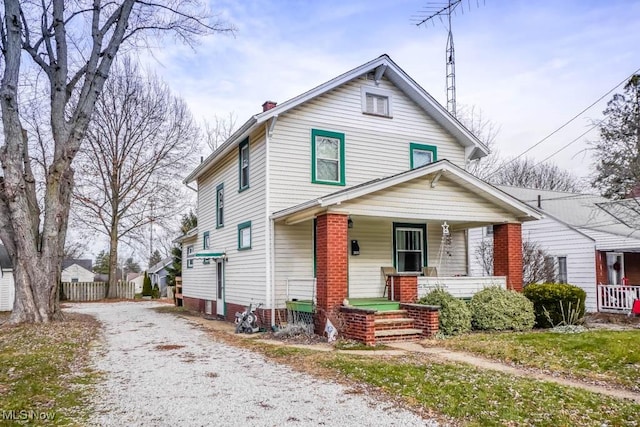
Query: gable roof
(461,178)
(159,266)
(383,65)
(581,212)
(87,264)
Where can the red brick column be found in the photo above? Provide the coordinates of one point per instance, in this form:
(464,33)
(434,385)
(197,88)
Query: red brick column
(507,254)
(331,266)
(405,288)
(601,268)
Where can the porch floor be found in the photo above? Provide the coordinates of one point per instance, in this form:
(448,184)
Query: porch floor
(379,304)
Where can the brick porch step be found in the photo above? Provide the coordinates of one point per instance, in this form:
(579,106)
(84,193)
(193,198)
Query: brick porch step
(391,314)
(397,332)
(395,335)
(386,324)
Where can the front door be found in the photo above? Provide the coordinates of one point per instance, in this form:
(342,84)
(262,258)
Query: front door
(615,268)
(220,286)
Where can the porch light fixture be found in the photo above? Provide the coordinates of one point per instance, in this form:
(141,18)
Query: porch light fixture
(349,223)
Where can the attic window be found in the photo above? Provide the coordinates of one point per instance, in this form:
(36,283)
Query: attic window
(377,102)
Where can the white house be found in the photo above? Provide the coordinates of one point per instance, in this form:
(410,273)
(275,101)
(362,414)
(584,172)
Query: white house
(310,198)
(7,286)
(77,270)
(589,245)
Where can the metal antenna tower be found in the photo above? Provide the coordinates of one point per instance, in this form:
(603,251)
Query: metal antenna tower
(439,10)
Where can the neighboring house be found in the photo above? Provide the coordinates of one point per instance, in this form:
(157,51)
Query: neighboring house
(158,274)
(77,270)
(311,197)
(7,286)
(588,245)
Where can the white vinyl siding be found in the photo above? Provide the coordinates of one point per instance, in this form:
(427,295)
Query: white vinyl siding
(374,147)
(245,270)
(449,263)
(7,291)
(293,257)
(556,239)
(80,274)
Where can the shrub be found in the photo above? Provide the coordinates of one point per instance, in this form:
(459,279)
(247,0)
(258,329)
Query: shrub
(147,290)
(155,292)
(454,315)
(556,303)
(500,309)
(137,296)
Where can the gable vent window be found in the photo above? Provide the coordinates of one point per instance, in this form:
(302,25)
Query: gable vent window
(377,102)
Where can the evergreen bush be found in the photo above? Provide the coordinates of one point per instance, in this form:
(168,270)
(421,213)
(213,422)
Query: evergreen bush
(497,309)
(155,293)
(147,290)
(454,315)
(556,303)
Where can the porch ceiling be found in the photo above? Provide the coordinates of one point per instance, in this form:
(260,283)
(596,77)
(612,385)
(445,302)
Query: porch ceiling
(440,191)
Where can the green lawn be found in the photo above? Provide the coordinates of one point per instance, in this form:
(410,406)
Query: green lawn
(44,372)
(610,356)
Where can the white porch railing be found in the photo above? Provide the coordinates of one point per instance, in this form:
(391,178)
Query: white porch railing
(301,289)
(459,287)
(616,298)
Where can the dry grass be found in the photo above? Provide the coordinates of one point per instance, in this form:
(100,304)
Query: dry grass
(46,369)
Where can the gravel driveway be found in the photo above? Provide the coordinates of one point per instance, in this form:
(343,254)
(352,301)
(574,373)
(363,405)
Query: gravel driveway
(162,371)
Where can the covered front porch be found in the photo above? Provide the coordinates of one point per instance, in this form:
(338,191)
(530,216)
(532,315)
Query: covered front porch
(396,239)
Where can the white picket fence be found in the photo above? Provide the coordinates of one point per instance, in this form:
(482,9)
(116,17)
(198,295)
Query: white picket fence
(616,298)
(93,291)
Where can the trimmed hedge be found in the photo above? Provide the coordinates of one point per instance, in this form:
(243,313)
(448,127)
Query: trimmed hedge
(550,296)
(454,315)
(499,309)
(147,290)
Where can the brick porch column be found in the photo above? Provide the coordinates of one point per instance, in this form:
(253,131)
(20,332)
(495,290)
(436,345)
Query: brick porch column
(405,288)
(507,254)
(602,275)
(331,266)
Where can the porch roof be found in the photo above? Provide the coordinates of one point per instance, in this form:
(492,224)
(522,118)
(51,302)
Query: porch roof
(439,190)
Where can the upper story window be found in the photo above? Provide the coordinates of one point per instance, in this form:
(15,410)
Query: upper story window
(220,206)
(421,154)
(190,256)
(327,157)
(243,164)
(378,102)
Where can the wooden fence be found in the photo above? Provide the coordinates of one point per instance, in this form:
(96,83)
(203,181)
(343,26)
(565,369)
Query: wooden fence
(93,291)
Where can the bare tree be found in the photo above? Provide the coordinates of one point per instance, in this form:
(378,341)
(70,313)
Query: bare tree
(219,130)
(487,132)
(139,142)
(524,172)
(537,265)
(74,250)
(73,45)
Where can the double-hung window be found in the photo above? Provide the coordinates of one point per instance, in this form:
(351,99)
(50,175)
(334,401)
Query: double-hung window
(244,236)
(421,154)
(327,157)
(190,256)
(562,269)
(220,206)
(409,247)
(243,161)
(376,101)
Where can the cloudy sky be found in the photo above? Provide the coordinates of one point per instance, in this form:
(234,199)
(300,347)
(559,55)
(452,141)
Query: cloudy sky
(529,66)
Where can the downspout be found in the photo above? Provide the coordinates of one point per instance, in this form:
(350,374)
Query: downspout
(270,291)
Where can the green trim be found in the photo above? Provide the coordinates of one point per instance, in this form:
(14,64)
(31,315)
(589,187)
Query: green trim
(397,225)
(189,259)
(341,169)
(242,145)
(422,147)
(219,221)
(205,237)
(210,255)
(241,227)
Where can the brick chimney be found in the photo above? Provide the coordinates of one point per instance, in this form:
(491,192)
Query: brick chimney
(268,105)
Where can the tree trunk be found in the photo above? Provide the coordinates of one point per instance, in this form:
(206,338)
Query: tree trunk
(113,259)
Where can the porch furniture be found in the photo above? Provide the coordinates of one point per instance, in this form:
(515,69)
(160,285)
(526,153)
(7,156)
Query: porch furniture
(387,272)
(430,271)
